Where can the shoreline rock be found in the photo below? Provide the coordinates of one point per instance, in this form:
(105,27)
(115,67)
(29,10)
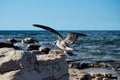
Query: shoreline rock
(96,70)
(12,59)
(13,40)
(21,65)
(8,45)
(32,47)
(44,50)
(28,40)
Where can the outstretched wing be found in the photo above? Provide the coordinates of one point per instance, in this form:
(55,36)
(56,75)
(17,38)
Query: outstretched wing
(72,37)
(48,29)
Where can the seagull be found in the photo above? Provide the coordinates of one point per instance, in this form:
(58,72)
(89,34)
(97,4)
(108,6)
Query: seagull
(62,43)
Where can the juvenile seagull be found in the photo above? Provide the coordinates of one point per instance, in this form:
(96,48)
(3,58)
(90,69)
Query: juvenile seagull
(61,43)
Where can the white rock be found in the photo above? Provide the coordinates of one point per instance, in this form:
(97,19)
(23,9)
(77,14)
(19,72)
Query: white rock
(27,66)
(11,59)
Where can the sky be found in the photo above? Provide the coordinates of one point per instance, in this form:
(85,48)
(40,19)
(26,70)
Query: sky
(60,14)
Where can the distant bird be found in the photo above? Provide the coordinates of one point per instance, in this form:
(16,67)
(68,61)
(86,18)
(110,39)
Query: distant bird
(61,43)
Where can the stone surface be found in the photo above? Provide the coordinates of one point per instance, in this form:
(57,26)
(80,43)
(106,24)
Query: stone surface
(33,47)
(11,60)
(12,40)
(8,45)
(92,74)
(91,64)
(29,40)
(44,50)
(97,70)
(52,66)
(21,65)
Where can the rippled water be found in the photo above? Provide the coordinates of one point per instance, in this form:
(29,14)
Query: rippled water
(98,45)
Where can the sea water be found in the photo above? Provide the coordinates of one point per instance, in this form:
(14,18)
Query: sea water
(98,45)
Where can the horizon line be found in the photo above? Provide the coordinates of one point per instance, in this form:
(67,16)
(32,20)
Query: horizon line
(61,30)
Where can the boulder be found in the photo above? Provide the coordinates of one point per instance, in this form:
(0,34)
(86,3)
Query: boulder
(76,74)
(8,44)
(44,50)
(11,60)
(51,66)
(12,40)
(21,65)
(29,40)
(33,47)
(79,65)
(92,74)
(103,76)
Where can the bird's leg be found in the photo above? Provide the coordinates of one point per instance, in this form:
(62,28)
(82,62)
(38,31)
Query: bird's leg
(66,54)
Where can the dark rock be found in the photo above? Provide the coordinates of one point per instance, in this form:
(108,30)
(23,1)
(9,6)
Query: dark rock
(44,50)
(83,65)
(79,65)
(8,44)
(104,76)
(86,77)
(32,47)
(117,68)
(12,40)
(29,40)
(99,78)
(74,65)
(108,75)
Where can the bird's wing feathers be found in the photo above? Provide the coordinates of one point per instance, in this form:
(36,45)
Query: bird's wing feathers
(72,37)
(48,29)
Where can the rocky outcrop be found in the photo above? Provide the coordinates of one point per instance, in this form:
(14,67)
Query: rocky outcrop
(41,51)
(29,40)
(93,70)
(44,50)
(11,60)
(93,64)
(33,47)
(21,65)
(92,74)
(12,40)
(7,44)
(51,66)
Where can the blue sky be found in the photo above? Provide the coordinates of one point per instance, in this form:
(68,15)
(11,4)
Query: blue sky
(60,14)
